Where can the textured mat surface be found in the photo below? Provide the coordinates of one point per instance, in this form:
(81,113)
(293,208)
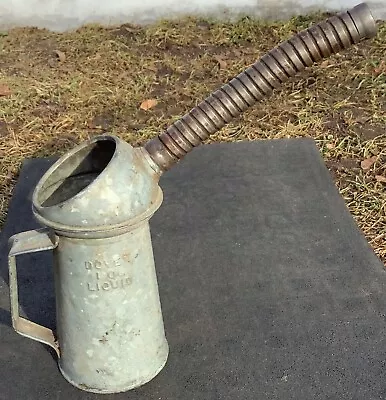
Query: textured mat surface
(268,289)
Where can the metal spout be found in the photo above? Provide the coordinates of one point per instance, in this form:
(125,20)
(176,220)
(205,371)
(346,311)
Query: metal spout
(309,46)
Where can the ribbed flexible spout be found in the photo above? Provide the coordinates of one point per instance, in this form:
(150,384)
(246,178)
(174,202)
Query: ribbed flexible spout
(273,69)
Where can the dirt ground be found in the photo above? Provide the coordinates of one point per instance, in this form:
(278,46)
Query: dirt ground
(57,90)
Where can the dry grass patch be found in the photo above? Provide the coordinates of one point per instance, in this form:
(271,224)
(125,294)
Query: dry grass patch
(64,88)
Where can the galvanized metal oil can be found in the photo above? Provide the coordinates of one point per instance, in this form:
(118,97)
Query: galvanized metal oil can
(95,203)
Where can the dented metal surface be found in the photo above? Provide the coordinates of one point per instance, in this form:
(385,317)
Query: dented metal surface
(75,197)
(95,203)
(109,320)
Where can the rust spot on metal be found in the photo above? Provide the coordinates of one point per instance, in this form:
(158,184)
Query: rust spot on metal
(86,387)
(103,340)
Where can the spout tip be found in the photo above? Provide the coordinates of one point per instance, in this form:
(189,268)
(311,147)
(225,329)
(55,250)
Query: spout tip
(364,20)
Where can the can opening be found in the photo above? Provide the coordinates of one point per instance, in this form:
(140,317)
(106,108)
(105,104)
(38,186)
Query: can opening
(76,172)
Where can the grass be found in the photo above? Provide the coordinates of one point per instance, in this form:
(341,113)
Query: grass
(67,87)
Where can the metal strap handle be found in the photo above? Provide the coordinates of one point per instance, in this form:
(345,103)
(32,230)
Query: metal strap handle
(23,243)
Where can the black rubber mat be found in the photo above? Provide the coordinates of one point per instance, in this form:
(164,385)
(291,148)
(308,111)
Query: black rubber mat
(268,288)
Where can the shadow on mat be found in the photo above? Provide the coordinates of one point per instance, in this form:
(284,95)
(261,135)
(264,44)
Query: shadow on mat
(36,292)
(35,275)
(34,271)
(5,317)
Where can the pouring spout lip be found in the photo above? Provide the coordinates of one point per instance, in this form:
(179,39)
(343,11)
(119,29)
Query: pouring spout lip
(99,231)
(39,187)
(97,187)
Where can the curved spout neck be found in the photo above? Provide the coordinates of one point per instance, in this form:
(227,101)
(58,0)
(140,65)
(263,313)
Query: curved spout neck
(309,46)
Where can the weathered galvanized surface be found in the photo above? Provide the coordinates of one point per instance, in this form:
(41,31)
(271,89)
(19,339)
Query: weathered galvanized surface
(259,80)
(98,199)
(110,327)
(24,243)
(268,289)
(103,185)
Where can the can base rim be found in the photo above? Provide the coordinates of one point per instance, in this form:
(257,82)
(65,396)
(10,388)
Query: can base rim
(86,388)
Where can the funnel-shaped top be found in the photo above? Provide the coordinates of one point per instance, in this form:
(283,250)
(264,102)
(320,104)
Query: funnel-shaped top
(102,184)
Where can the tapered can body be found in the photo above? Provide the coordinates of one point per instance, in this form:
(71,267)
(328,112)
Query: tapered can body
(109,320)
(95,204)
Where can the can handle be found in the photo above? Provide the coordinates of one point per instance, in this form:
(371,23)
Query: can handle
(23,243)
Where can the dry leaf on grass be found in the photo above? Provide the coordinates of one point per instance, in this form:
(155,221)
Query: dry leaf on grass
(380,178)
(368,162)
(221,62)
(381,69)
(148,104)
(4,90)
(61,55)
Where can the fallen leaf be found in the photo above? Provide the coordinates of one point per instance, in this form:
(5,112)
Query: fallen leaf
(4,90)
(368,162)
(148,104)
(330,146)
(380,69)
(221,62)
(380,178)
(61,55)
